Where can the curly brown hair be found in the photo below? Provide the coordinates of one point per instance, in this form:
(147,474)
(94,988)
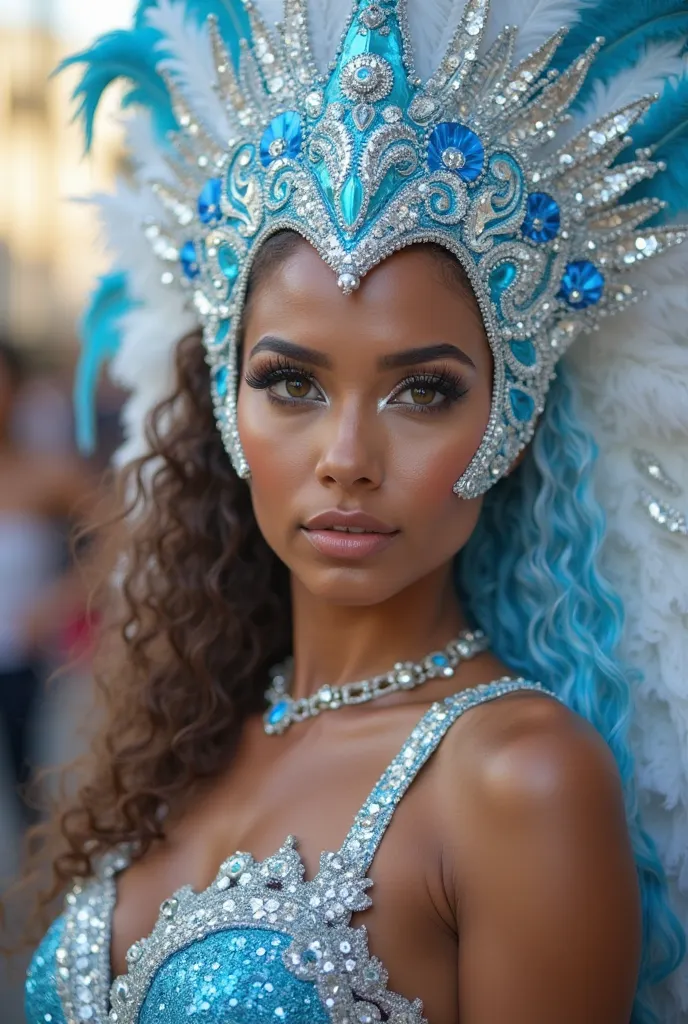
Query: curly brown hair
(196,609)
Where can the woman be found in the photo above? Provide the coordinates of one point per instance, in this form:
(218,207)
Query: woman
(396,481)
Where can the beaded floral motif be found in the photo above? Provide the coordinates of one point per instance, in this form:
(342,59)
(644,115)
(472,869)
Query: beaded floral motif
(370,159)
(270,896)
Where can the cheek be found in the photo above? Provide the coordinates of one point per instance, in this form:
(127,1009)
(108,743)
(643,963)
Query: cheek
(427,468)
(278,463)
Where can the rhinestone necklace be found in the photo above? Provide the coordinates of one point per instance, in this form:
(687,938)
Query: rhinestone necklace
(407,675)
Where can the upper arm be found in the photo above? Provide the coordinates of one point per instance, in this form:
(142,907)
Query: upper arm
(546,890)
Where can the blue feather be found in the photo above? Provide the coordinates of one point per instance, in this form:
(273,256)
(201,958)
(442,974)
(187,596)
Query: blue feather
(628,28)
(122,54)
(665,129)
(100,336)
(134,54)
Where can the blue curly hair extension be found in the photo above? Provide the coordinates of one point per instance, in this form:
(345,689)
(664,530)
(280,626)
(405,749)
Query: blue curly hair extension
(552,616)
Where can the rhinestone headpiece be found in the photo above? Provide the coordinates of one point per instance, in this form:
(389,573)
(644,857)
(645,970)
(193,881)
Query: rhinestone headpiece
(370,159)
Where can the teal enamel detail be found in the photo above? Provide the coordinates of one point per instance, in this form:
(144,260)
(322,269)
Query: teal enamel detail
(522,404)
(500,279)
(524,351)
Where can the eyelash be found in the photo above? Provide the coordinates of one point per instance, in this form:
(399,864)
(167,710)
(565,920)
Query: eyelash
(445,381)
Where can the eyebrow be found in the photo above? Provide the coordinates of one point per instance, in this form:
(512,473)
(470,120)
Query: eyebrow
(409,357)
(413,356)
(293,351)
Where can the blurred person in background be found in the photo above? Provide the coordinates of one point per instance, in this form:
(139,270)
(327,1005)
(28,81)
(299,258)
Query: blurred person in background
(41,597)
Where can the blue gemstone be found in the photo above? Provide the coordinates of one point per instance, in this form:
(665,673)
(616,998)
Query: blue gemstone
(500,279)
(221,379)
(543,218)
(582,284)
(282,137)
(524,352)
(209,202)
(188,257)
(440,660)
(278,712)
(522,405)
(454,147)
(229,264)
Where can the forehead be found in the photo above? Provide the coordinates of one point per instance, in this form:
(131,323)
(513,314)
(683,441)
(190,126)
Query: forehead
(408,299)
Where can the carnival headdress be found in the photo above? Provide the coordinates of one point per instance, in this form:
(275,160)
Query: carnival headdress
(513,152)
(371,158)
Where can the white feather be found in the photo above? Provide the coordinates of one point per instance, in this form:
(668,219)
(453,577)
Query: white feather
(191,63)
(271,10)
(633,382)
(536,20)
(433,23)
(143,147)
(431,27)
(659,64)
(328,20)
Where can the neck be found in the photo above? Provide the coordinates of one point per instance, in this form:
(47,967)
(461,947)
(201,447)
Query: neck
(336,644)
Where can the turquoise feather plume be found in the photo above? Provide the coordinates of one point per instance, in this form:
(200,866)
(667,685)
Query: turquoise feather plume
(100,340)
(628,28)
(130,55)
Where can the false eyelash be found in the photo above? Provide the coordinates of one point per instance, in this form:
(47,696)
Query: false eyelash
(276,369)
(445,380)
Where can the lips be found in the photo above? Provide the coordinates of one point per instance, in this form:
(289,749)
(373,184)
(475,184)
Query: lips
(356,522)
(348,536)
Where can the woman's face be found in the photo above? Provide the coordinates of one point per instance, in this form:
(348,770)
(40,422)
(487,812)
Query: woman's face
(363,411)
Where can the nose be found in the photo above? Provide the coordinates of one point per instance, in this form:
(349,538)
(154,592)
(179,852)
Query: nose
(351,451)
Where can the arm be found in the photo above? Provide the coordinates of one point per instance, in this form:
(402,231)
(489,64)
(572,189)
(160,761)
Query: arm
(547,901)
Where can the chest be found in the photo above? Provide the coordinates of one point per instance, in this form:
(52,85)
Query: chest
(254,811)
(271,929)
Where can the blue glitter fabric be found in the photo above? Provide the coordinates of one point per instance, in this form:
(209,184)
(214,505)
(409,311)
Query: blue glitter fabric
(233,976)
(42,1004)
(261,943)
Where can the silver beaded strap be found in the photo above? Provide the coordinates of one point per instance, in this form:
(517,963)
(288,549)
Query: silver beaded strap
(283,710)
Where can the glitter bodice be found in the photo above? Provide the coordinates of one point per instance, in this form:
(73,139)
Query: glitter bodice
(261,943)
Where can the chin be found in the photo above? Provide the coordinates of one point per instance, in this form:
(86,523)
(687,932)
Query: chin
(343,585)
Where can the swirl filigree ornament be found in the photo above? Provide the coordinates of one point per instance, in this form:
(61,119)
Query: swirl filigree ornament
(369,158)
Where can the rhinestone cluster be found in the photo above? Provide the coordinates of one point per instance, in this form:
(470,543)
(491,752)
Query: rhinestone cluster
(660,510)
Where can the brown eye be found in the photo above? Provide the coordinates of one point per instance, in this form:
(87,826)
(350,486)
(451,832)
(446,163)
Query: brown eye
(423,395)
(297,387)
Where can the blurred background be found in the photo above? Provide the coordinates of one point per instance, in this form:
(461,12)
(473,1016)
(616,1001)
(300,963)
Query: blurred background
(49,260)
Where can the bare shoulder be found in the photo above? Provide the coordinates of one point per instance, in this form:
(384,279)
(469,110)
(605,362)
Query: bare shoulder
(525,755)
(537,865)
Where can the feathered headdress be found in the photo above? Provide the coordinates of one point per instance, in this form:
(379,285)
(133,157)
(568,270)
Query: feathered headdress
(529,153)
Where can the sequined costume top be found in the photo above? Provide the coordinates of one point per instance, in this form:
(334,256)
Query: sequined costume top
(260,943)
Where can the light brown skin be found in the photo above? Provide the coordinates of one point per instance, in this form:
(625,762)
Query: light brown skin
(513,838)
